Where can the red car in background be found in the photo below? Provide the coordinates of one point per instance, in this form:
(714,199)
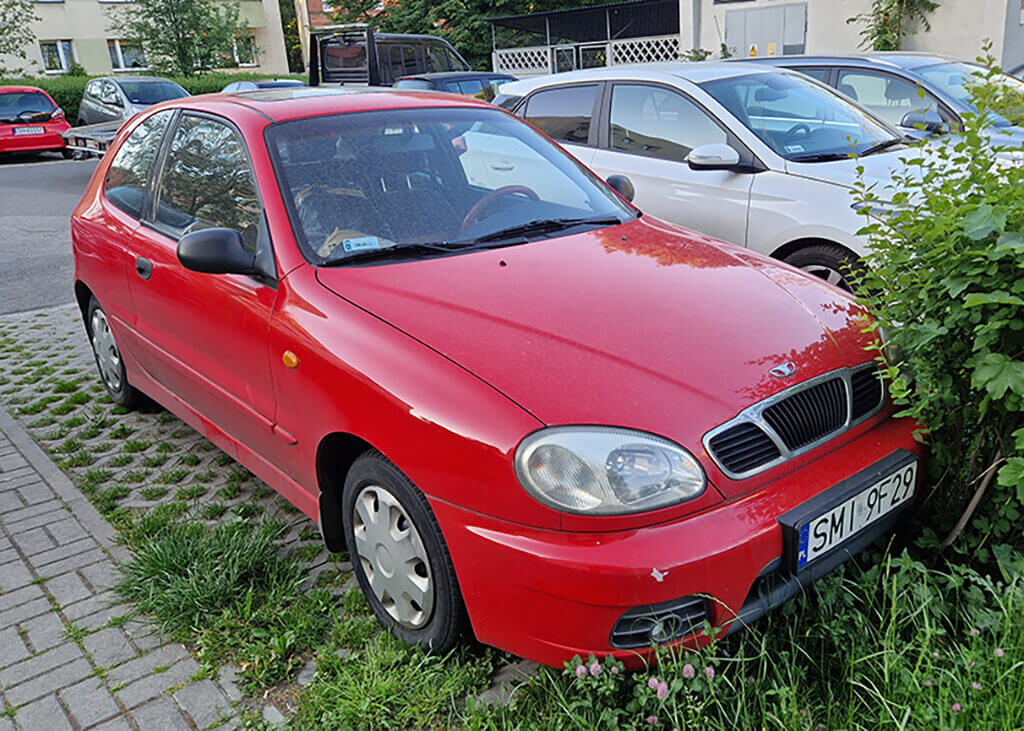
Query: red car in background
(30,121)
(527,411)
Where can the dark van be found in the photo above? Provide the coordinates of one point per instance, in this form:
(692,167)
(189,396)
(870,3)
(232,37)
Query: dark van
(354,54)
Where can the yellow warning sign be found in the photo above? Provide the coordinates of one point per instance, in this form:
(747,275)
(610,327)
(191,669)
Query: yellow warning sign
(772,50)
(753,50)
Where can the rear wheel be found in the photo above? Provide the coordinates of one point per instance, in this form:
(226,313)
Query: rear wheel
(399,555)
(829,262)
(108,357)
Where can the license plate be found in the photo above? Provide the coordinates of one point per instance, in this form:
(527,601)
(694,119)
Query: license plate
(834,526)
(28,130)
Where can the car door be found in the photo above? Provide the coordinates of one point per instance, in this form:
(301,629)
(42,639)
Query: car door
(88,108)
(204,336)
(649,133)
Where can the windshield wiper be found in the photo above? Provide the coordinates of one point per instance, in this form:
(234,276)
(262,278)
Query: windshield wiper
(882,146)
(821,157)
(394,252)
(545,225)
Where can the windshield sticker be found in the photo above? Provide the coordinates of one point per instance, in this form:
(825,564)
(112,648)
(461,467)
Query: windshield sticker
(794,148)
(363,243)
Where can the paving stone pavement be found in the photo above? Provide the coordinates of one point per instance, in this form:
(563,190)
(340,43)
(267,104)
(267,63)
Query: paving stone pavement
(70,656)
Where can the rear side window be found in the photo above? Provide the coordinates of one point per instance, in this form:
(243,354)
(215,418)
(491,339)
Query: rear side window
(127,178)
(438,59)
(207,182)
(563,114)
(402,61)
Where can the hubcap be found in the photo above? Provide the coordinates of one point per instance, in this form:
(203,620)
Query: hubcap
(393,557)
(829,274)
(107,355)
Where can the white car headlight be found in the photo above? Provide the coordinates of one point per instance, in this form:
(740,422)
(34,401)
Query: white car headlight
(597,470)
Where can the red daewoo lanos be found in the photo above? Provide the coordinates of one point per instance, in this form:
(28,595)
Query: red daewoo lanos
(30,121)
(525,410)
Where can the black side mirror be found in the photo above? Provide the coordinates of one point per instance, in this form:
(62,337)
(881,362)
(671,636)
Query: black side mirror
(928,120)
(622,185)
(216,251)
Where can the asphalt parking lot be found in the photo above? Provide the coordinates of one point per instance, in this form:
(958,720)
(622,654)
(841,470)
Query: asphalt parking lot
(37,194)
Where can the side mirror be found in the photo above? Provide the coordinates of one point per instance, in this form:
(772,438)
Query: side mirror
(216,251)
(621,185)
(714,156)
(929,121)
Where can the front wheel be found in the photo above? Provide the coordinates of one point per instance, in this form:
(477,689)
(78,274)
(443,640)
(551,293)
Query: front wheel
(829,262)
(108,357)
(399,555)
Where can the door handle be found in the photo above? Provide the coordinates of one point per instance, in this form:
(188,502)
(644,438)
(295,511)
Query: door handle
(144,267)
(503,168)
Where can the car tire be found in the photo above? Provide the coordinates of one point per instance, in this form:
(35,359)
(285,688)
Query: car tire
(829,262)
(108,357)
(420,603)
(66,153)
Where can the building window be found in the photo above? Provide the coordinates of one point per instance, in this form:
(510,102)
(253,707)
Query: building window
(57,56)
(245,50)
(126,56)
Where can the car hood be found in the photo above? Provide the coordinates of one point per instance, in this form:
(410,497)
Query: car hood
(878,168)
(641,325)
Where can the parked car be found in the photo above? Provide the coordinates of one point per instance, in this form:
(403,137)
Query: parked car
(262,84)
(1017,72)
(30,121)
(541,418)
(482,84)
(752,155)
(909,90)
(116,98)
(355,54)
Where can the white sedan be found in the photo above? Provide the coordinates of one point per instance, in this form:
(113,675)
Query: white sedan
(760,157)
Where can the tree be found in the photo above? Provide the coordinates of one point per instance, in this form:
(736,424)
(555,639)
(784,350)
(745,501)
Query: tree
(292,45)
(16,18)
(888,22)
(184,37)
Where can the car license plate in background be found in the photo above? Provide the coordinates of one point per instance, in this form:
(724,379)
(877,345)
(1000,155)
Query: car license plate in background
(823,533)
(28,130)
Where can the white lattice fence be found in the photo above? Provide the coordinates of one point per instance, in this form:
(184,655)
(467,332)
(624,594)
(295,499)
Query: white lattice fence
(522,62)
(644,50)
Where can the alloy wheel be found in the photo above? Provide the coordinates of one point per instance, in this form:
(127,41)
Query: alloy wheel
(108,357)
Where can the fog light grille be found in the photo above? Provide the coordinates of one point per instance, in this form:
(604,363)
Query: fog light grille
(657,624)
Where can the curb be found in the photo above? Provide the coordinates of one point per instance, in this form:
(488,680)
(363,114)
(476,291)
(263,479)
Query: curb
(53,476)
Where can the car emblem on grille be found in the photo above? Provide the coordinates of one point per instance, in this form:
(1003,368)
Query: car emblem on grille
(784,371)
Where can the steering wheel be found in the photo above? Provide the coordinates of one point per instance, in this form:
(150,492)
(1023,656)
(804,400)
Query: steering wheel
(476,212)
(802,128)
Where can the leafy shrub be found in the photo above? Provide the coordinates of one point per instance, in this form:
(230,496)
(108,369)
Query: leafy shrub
(945,283)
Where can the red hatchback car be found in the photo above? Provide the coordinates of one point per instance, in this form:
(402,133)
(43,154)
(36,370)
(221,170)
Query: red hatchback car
(526,411)
(30,121)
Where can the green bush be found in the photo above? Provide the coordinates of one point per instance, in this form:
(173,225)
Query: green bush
(67,89)
(945,284)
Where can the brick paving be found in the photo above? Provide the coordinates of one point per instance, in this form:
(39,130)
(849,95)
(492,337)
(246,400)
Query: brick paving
(71,657)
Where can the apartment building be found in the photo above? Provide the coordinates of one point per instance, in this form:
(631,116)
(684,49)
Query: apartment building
(71,31)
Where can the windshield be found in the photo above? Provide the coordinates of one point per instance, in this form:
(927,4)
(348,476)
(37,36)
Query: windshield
(413,84)
(796,117)
(956,78)
(15,103)
(373,181)
(151,92)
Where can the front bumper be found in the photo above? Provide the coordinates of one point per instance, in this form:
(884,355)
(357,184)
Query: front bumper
(548,595)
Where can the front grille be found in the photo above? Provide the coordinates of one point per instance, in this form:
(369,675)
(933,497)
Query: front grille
(656,624)
(789,423)
(808,415)
(743,447)
(867,392)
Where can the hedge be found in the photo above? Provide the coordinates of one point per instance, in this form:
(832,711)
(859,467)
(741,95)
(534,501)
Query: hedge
(67,90)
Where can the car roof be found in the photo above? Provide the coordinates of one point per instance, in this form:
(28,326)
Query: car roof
(144,79)
(882,59)
(14,88)
(297,102)
(446,75)
(696,72)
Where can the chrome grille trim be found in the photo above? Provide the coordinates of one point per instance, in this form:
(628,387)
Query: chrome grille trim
(755,415)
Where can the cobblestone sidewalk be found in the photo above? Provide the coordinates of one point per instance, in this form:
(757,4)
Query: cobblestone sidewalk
(70,656)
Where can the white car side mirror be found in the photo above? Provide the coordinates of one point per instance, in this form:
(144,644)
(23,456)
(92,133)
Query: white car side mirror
(714,156)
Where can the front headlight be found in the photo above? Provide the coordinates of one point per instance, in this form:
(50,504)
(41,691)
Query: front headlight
(597,470)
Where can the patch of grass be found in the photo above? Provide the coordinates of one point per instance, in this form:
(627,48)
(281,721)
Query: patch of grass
(224,459)
(260,491)
(192,492)
(121,460)
(173,477)
(165,447)
(230,491)
(136,476)
(309,533)
(106,500)
(206,476)
(74,421)
(213,511)
(152,524)
(121,431)
(75,633)
(65,386)
(71,445)
(190,459)
(307,552)
(247,510)
(154,460)
(82,458)
(153,493)
(42,422)
(135,445)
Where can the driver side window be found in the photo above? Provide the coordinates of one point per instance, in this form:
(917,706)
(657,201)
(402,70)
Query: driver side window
(656,122)
(207,182)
